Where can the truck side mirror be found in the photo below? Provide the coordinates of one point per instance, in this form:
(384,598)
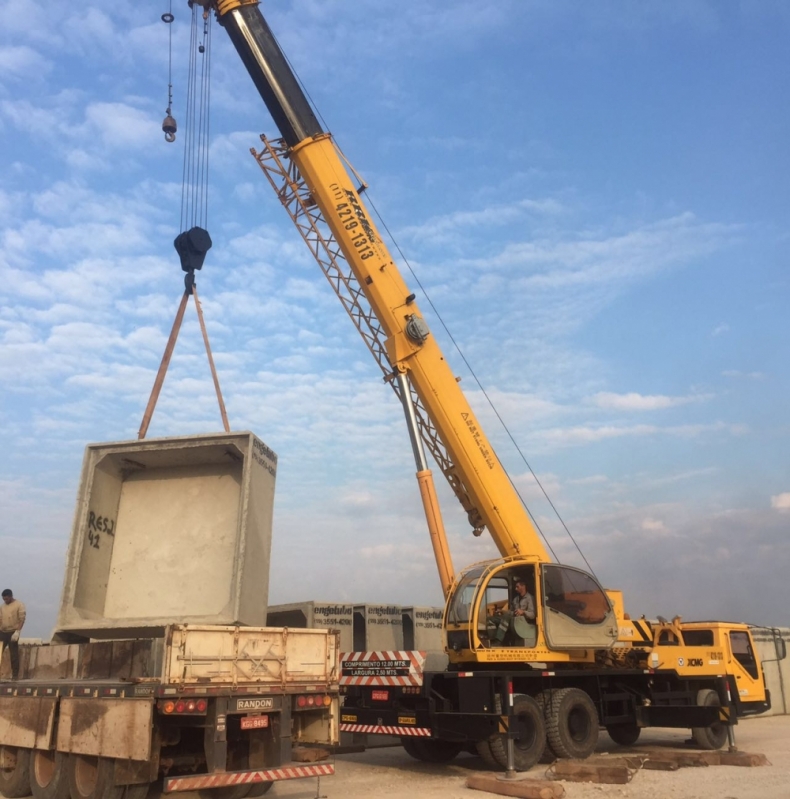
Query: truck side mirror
(781,648)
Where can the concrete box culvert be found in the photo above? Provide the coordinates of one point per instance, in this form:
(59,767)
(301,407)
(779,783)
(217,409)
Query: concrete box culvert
(169,531)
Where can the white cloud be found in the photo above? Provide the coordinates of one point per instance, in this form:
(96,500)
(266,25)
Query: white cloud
(719,329)
(641,402)
(579,435)
(781,502)
(738,375)
(22,61)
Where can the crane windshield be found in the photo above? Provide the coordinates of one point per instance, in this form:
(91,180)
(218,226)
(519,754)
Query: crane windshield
(461,604)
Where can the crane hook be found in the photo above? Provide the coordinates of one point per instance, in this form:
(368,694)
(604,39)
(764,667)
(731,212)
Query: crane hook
(170,127)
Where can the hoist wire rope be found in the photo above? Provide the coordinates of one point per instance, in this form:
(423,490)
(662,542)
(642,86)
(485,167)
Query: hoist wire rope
(169,21)
(185,179)
(468,366)
(194,184)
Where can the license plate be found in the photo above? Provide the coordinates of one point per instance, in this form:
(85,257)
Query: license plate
(380,696)
(254,722)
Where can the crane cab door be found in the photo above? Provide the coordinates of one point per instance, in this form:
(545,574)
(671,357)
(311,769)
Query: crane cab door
(577,613)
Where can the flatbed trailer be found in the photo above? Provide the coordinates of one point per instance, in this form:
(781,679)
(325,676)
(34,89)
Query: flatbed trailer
(206,708)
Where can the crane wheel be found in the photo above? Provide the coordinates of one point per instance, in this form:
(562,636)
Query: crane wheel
(715,736)
(529,748)
(15,774)
(624,734)
(430,750)
(571,723)
(484,750)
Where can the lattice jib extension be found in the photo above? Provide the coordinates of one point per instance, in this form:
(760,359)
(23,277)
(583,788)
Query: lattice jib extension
(295,197)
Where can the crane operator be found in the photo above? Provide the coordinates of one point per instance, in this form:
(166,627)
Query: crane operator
(522,603)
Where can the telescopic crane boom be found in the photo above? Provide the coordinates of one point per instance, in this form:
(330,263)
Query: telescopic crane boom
(476,473)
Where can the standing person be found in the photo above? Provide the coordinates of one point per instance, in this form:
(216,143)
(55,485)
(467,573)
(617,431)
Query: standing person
(12,619)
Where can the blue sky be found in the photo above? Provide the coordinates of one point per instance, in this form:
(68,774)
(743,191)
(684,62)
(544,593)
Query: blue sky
(595,197)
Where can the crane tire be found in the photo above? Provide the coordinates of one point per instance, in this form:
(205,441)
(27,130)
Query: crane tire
(624,734)
(715,736)
(430,750)
(225,792)
(260,788)
(527,750)
(483,749)
(548,755)
(571,723)
(49,774)
(15,782)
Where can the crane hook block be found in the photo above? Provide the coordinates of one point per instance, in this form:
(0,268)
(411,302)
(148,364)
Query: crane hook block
(170,127)
(192,246)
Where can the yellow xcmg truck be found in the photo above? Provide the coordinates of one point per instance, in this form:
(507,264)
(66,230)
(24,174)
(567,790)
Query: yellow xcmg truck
(510,686)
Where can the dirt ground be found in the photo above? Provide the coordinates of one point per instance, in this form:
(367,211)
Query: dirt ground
(391,773)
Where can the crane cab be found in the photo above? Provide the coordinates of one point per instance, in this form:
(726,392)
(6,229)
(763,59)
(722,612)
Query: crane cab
(573,615)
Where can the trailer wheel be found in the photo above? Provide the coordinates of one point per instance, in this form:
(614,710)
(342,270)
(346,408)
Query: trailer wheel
(91,777)
(624,734)
(430,750)
(571,723)
(15,780)
(528,749)
(715,736)
(49,774)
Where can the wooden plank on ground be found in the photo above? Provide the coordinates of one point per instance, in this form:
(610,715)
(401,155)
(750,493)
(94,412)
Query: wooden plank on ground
(743,759)
(684,758)
(585,771)
(522,788)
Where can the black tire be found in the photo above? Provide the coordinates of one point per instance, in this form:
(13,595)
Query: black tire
(138,791)
(548,755)
(260,788)
(528,749)
(225,792)
(410,745)
(624,734)
(15,782)
(91,777)
(430,750)
(483,749)
(571,723)
(49,774)
(715,736)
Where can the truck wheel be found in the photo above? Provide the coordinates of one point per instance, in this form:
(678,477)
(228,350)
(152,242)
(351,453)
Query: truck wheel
(715,736)
(430,750)
(226,792)
(571,723)
(544,699)
(483,749)
(260,788)
(15,780)
(624,734)
(528,749)
(49,774)
(91,777)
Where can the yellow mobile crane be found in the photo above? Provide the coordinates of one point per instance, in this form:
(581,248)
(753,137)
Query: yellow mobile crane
(514,684)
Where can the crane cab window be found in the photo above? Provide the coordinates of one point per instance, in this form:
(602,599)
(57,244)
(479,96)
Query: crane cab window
(575,594)
(742,651)
(698,637)
(497,624)
(460,608)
